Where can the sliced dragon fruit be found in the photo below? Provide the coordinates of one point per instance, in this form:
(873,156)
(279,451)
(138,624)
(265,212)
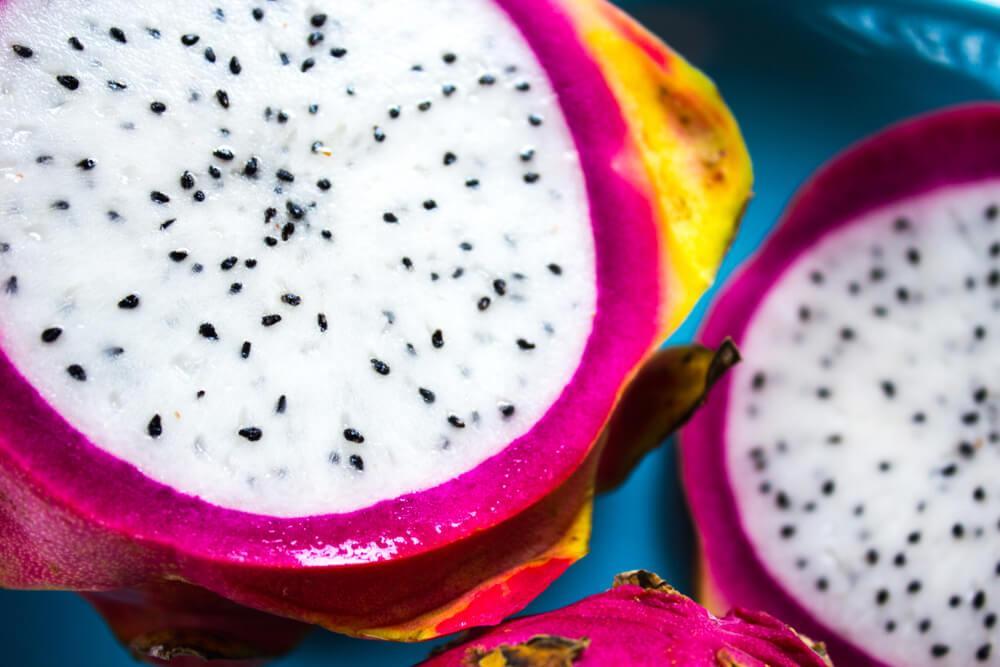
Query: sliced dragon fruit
(322,307)
(640,621)
(858,447)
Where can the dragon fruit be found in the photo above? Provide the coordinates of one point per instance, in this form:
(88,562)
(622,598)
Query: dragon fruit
(640,621)
(857,446)
(319,309)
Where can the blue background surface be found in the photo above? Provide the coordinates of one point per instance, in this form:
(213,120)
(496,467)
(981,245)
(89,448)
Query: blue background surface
(805,78)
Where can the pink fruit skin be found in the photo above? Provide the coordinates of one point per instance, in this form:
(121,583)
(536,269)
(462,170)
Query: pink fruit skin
(468,552)
(959,145)
(637,627)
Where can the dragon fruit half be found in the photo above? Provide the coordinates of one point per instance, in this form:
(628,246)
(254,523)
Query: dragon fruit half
(641,621)
(319,309)
(858,447)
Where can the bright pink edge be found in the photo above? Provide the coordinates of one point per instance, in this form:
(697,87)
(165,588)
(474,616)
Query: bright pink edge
(958,145)
(70,470)
(632,626)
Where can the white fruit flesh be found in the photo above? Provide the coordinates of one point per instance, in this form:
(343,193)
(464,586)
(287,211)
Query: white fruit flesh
(511,206)
(864,445)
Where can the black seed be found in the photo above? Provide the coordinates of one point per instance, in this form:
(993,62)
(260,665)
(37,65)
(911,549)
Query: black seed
(210,54)
(118,35)
(208,331)
(287,230)
(251,433)
(970,418)
(394,112)
(116,85)
(130,302)
(888,388)
(236,288)
(352,435)
(68,82)
(327,234)
(291,299)
(427,395)
(472,183)
(966,449)
(323,184)
(913,256)
(983,652)
(899,560)
(187,180)
(979,332)
(555,269)
(86,164)
(314,38)
(407,263)
(939,650)
(781,500)
(787,532)
(535,120)
(23,51)
(189,39)
(234,66)
(525,345)
(378,133)
(437,339)
(448,89)
(390,218)
(828,487)
(449,58)
(871,557)
(270,241)
(257,13)
(500,286)
(155,427)
(881,596)
(75,43)
(531,178)
(167,223)
(228,263)
(506,409)
(76,372)
(989,620)
(223,98)
(380,367)
(914,537)
(201,393)
(430,205)
(157,107)
(295,210)
(314,109)
(487,80)
(822,584)
(282,405)
(270,320)
(61,205)
(913,587)
(455,421)
(523,86)
(450,159)
(51,335)
(424,106)
(484,303)
(223,153)
(308,64)
(979,600)
(321,321)
(269,214)
(285,175)
(823,393)
(285,60)
(356,462)
(158,197)
(245,350)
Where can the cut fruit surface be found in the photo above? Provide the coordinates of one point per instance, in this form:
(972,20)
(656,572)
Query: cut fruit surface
(859,440)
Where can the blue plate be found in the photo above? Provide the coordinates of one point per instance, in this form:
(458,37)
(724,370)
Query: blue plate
(805,79)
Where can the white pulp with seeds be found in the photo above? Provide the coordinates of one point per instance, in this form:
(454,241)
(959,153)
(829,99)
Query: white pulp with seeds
(291,257)
(865,439)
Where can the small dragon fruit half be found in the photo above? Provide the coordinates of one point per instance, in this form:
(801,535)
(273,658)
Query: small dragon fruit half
(319,309)
(845,477)
(640,621)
